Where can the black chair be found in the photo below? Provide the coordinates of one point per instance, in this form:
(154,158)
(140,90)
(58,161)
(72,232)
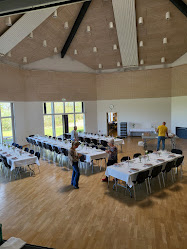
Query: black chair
(179,163)
(167,169)
(154,173)
(17,145)
(81,139)
(176,151)
(26,149)
(103,148)
(87,140)
(20,147)
(94,141)
(104,143)
(82,160)
(13,144)
(150,151)
(31,135)
(32,152)
(136,155)
(60,139)
(38,156)
(68,136)
(125,158)
(94,146)
(140,178)
(50,136)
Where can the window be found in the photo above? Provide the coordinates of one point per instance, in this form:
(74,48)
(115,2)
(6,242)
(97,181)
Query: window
(7,122)
(61,117)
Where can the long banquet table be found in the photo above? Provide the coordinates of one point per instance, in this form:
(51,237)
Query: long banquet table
(117,141)
(150,136)
(128,170)
(90,153)
(18,158)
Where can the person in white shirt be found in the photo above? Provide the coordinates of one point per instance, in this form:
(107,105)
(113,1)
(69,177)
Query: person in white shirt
(74,134)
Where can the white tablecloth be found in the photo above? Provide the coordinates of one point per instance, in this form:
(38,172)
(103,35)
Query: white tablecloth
(117,141)
(14,159)
(124,170)
(90,153)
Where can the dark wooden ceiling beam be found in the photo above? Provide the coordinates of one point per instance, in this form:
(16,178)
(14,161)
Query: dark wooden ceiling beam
(75,27)
(180,5)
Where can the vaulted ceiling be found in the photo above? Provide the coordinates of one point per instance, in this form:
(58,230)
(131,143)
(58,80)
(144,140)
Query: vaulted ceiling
(155,27)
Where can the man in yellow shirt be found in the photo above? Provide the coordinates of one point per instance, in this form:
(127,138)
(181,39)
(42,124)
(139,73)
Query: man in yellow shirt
(162,132)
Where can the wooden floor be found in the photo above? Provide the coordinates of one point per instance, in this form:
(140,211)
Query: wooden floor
(46,210)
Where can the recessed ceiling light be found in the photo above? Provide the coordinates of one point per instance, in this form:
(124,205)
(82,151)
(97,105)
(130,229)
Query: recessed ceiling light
(31,35)
(55,50)
(111,25)
(75,52)
(8,21)
(115,47)
(88,28)
(141,62)
(24,59)
(45,43)
(165,40)
(94,49)
(66,25)
(100,66)
(163,60)
(140,20)
(55,14)
(167,15)
(141,44)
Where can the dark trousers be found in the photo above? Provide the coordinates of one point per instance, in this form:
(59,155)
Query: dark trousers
(75,174)
(160,138)
(111,162)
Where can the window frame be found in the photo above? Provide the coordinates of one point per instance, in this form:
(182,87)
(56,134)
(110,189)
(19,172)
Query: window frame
(62,114)
(12,117)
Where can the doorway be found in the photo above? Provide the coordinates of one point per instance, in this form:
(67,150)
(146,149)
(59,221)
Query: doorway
(112,123)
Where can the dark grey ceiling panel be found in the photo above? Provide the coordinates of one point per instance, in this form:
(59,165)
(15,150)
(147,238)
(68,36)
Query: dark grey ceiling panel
(11,7)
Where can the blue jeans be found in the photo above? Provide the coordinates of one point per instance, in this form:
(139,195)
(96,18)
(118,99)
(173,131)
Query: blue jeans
(160,138)
(75,174)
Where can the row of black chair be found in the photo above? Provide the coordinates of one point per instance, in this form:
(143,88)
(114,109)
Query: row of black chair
(17,146)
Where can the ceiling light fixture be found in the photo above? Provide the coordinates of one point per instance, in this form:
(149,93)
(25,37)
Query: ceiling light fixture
(111,25)
(31,35)
(94,49)
(118,64)
(167,15)
(88,29)
(24,59)
(141,62)
(66,25)
(55,50)
(8,21)
(9,54)
(165,40)
(45,43)
(115,47)
(141,44)
(140,20)
(163,60)
(100,66)
(55,14)
(75,52)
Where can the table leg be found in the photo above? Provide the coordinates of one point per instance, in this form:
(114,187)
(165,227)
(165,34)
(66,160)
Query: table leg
(92,166)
